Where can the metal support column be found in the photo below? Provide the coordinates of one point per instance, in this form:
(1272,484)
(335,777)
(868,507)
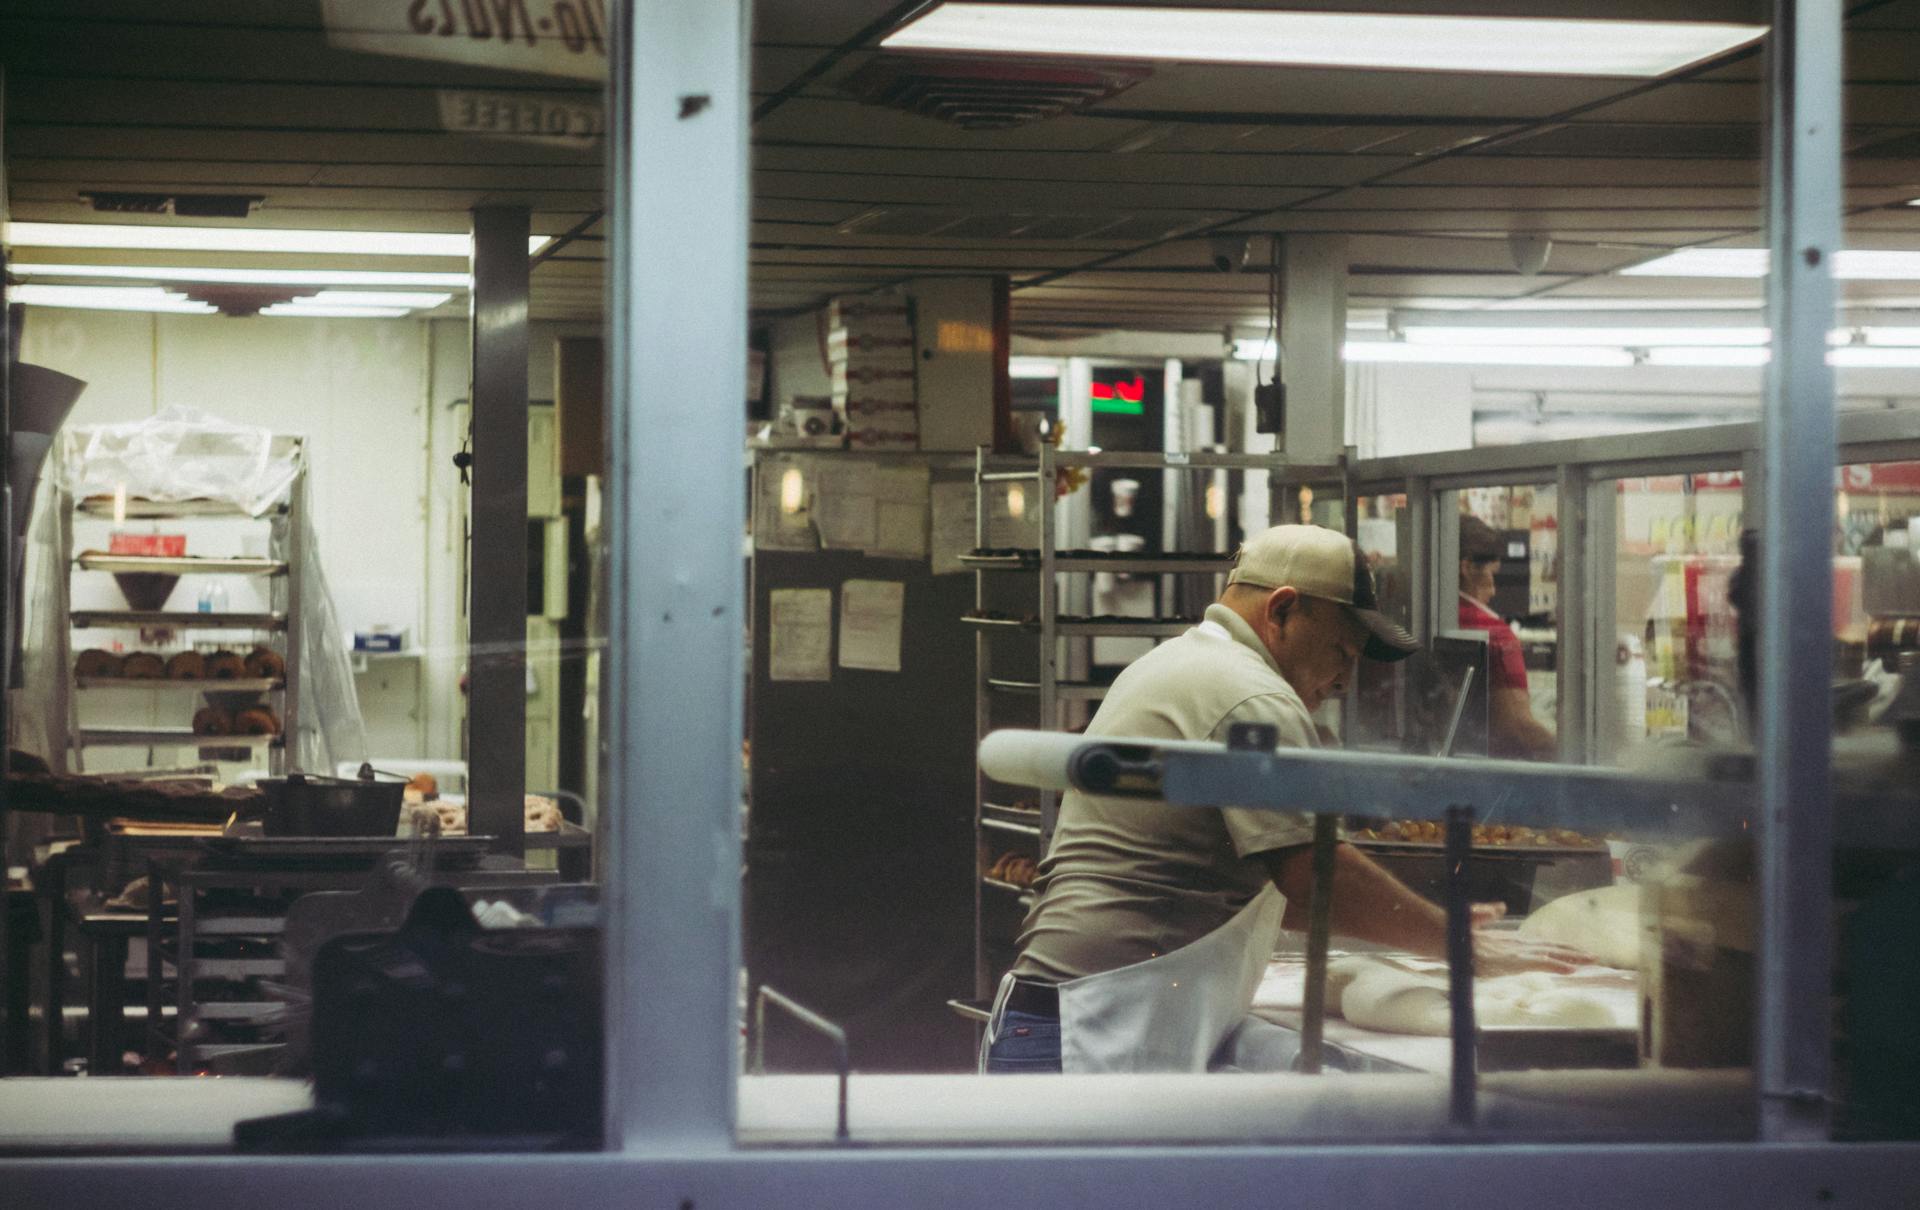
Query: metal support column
(677,314)
(497,592)
(1418,560)
(1573,650)
(1795,1033)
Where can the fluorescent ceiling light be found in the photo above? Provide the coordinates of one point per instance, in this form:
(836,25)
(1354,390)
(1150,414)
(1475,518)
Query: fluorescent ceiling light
(1850,264)
(108,298)
(1563,336)
(1859,357)
(1524,355)
(246,239)
(1752,302)
(265,277)
(1506,45)
(1897,337)
(294,310)
(407,300)
(1712,357)
(1032,367)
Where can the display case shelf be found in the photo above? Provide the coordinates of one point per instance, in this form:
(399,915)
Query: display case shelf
(169,737)
(132,619)
(1024,894)
(1007,825)
(195,686)
(185,565)
(147,510)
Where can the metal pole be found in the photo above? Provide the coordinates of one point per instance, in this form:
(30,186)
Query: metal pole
(1575,614)
(1797,442)
(677,313)
(1462,1077)
(497,593)
(1313,1008)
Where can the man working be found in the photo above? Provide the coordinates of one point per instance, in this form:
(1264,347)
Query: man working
(1153,923)
(1512,728)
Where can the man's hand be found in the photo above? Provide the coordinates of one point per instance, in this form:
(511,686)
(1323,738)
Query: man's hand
(1505,953)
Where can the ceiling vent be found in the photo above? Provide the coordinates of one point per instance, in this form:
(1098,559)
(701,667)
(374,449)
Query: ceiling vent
(988,94)
(185,205)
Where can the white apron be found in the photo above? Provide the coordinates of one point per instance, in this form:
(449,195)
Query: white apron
(1166,1014)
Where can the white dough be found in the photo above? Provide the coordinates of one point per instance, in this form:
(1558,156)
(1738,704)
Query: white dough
(1380,995)
(1604,923)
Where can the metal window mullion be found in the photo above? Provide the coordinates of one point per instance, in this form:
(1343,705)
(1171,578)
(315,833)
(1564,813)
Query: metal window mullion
(677,308)
(1049,605)
(1573,648)
(1419,561)
(1598,552)
(1798,433)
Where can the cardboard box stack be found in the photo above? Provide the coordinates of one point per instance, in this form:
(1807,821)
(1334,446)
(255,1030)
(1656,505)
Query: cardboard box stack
(870,360)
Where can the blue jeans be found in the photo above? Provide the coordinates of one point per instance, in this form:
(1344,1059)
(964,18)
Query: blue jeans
(1027,1044)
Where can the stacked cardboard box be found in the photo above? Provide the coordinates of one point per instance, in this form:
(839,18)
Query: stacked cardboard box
(870,360)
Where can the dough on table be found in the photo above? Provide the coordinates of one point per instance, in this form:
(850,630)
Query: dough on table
(1603,922)
(1382,995)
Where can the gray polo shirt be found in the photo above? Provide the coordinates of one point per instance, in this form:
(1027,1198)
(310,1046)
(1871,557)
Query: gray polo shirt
(1128,880)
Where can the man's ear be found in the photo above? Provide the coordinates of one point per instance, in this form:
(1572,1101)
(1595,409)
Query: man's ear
(1280,604)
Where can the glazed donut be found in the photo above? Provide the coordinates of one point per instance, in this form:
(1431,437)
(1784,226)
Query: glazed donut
(187,666)
(256,720)
(264,663)
(225,666)
(212,720)
(143,666)
(95,662)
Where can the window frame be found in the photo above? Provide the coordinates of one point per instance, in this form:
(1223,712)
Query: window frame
(677,309)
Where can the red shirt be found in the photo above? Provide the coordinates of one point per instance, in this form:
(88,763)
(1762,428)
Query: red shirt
(1507,665)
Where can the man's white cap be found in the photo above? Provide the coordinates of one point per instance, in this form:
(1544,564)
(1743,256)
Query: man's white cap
(1319,562)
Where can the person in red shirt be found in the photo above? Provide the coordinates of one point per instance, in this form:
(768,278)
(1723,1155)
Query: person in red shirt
(1513,731)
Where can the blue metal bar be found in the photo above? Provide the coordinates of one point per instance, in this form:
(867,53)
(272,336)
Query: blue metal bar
(677,312)
(1794,747)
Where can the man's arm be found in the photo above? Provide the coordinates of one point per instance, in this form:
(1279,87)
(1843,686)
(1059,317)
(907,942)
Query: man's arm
(1370,904)
(1515,727)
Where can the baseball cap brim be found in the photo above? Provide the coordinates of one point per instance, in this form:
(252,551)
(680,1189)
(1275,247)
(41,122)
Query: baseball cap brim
(1386,641)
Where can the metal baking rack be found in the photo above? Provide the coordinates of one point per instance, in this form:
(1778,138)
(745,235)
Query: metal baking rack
(281,570)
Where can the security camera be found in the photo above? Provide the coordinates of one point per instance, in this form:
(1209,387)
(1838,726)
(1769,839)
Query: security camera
(1530,251)
(1229,252)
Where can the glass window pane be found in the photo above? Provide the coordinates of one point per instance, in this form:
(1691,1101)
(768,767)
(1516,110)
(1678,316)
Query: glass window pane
(314,573)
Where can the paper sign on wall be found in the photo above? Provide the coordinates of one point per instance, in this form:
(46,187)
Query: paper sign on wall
(843,504)
(800,634)
(871,612)
(781,520)
(953,525)
(900,513)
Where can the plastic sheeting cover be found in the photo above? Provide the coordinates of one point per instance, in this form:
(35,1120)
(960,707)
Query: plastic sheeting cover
(183,454)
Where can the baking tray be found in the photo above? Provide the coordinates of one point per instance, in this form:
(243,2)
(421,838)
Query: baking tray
(182,564)
(202,685)
(463,851)
(101,619)
(1428,848)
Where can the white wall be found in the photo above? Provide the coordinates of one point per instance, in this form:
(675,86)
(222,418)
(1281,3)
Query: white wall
(356,389)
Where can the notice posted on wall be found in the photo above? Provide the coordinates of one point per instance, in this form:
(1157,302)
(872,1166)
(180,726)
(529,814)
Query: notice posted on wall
(843,504)
(900,513)
(800,634)
(953,526)
(871,613)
